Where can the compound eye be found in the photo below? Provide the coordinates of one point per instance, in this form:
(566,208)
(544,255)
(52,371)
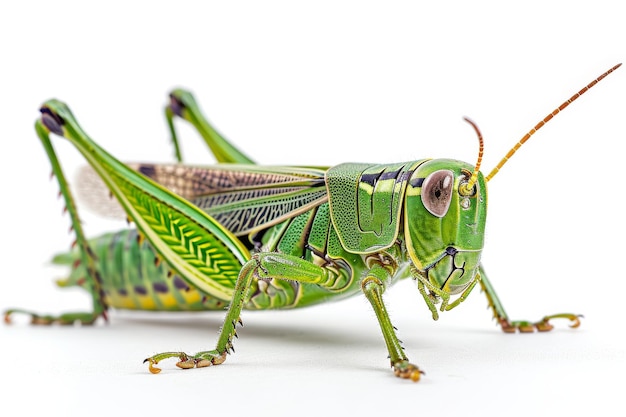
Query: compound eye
(437,192)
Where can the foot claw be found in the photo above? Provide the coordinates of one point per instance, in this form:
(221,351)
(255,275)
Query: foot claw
(46,320)
(543,326)
(574,318)
(200,360)
(576,321)
(153,369)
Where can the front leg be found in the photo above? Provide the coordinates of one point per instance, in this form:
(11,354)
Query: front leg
(523,326)
(373,288)
(262,266)
(217,356)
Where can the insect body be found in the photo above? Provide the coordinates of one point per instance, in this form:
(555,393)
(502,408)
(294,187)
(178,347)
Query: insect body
(254,237)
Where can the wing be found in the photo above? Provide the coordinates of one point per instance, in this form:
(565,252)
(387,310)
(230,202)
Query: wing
(243,198)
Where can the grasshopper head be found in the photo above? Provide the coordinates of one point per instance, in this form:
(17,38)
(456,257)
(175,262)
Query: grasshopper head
(444,218)
(444,223)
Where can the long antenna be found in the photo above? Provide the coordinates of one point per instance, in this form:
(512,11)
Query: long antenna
(546,120)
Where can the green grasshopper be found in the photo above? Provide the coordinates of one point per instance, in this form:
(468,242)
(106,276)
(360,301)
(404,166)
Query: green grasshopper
(245,236)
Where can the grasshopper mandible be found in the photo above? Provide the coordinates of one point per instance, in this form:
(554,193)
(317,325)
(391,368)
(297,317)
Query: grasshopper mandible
(258,237)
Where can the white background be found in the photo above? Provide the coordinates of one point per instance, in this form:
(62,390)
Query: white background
(322,83)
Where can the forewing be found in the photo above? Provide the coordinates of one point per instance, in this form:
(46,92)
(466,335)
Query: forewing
(243,198)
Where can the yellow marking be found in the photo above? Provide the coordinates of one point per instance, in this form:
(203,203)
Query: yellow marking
(191,297)
(168,301)
(117,301)
(146,302)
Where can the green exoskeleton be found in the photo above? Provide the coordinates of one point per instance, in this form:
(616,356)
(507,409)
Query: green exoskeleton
(245,236)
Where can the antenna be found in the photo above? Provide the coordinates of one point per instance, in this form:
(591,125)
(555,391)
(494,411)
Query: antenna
(544,121)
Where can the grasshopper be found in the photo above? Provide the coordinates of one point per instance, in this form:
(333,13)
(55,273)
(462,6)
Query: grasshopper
(246,236)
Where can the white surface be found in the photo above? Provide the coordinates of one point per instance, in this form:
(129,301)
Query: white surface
(323,84)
